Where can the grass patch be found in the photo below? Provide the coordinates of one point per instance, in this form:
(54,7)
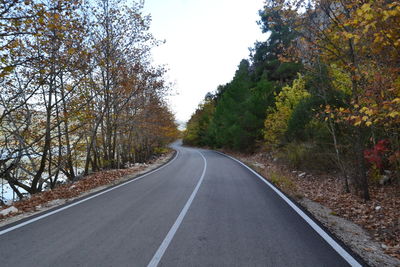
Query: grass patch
(282,181)
(161,150)
(333,213)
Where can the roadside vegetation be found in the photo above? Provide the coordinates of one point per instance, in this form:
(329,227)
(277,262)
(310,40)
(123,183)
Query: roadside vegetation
(321,95)
(78,91)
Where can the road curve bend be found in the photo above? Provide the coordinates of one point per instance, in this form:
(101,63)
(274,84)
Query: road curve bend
(201,209)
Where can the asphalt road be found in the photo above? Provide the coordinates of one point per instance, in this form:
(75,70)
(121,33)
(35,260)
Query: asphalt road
(201,209)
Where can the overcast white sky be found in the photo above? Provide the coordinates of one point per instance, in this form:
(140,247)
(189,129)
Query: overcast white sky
(205,41)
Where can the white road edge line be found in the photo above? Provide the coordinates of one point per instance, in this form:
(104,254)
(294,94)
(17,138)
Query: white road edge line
(85,199)
(338,248)
(168,238)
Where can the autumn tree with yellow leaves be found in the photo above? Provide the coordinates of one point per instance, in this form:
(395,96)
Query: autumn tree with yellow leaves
(78,91)
(360,41)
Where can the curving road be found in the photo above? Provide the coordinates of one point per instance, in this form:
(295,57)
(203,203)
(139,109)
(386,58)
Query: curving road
(200,209)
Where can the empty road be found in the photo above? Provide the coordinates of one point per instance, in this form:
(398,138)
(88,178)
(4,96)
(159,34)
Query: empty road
(201,209)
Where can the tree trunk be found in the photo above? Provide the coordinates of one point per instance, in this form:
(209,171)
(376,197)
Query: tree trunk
(70,165)
(362,170)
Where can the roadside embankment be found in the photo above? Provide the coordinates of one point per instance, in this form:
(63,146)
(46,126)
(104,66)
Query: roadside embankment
(70,191)
(371,229)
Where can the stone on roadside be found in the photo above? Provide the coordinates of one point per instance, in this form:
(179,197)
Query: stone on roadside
(9,210)
(301,175)
(384,180)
